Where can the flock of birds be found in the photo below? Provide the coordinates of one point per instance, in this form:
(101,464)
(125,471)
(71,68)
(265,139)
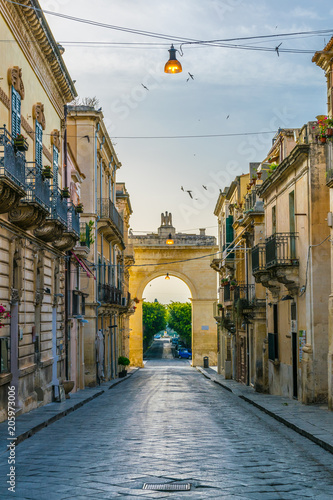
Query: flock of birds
(190,192)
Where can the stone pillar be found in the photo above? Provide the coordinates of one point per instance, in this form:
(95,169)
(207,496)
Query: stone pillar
(204,339)
(307,375)
(135,340)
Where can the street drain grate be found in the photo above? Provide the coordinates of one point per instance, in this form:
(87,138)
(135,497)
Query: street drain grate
(167,486)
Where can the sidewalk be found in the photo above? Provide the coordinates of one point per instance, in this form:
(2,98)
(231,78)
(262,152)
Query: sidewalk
(29,423)
(315,422)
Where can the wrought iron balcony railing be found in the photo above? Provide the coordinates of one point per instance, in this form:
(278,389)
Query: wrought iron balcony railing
(107,210)
(38,187)
(73,220)
(258,258)
(243,291)
(281,250)
(108,294)
(329,164)
(12,163)
(59,207)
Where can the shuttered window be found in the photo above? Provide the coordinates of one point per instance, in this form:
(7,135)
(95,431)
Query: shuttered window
(16,113)
(39,144)
(55,167)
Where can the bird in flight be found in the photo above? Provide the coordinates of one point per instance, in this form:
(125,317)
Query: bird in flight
(227,117)
(191,76)
(144,86)
(181,187)
(205,187)
(277,49)
(86,137)
(190,193)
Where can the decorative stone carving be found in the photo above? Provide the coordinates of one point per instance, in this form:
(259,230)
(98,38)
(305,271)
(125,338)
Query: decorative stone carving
(15,79)
(55,138)
(50,231)
(9,198)
(27,216)
(166,219)
(39,295)
(15,296)
(66,242)
(38,114)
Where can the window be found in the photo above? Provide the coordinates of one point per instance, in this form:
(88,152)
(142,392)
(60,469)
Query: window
(55,167)
(39,144)
(16,113)
(4,358)
(274,219)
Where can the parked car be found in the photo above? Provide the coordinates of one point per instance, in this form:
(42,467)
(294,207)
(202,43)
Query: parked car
(185,353)
(177,350)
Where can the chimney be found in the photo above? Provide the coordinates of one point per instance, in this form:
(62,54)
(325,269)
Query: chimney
(202,232)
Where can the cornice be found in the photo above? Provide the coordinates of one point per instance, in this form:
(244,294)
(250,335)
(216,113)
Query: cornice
(299,153)
(44,56)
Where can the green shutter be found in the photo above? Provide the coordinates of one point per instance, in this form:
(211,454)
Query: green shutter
(16,113)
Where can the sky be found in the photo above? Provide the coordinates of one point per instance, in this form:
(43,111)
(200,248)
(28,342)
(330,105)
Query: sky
(233,91)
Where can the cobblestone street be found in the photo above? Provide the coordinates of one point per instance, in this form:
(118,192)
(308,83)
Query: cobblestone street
(169,423)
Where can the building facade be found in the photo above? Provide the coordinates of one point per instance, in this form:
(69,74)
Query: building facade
(102,243)
(38,221)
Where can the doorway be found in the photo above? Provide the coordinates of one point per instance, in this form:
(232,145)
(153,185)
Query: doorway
(294,348)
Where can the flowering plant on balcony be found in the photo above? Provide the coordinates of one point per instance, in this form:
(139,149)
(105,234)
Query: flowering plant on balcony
(324,126)
(47,172)
(79,208)
(224,281)
(20,143)
(3,315)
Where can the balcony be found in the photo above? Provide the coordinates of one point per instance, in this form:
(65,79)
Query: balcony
(33,209)
(275,262)
(111,223)
(253,203)
(56,222)
(12,173)
(108,294)
(72,232)
(329,164)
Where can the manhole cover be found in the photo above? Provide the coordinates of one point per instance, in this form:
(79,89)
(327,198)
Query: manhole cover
(167,486)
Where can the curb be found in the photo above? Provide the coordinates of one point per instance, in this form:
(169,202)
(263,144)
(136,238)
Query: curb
(27,434)
(299,430)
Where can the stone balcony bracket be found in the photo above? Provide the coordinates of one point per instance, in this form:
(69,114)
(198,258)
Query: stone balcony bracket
(27,216)
(289,277)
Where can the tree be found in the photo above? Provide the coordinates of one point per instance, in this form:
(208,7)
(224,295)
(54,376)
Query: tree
(154,320)
(179,318)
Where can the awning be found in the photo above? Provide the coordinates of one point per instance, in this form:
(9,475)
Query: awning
(84,266)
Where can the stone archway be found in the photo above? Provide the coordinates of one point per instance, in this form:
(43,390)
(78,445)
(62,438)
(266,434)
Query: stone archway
(188,259)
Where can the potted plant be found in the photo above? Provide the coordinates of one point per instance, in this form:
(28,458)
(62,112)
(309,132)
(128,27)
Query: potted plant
(79,208)
(259,174)
(254,178)
(65,193)
(47,172)
(233,285)
(219,307)
(123,362)
(20,143)
(224,281)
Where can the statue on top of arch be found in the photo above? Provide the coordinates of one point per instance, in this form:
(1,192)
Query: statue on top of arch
(166,219)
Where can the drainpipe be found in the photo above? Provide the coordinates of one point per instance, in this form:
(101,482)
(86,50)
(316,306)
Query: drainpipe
(247,326)
(96,241)
(68,262)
